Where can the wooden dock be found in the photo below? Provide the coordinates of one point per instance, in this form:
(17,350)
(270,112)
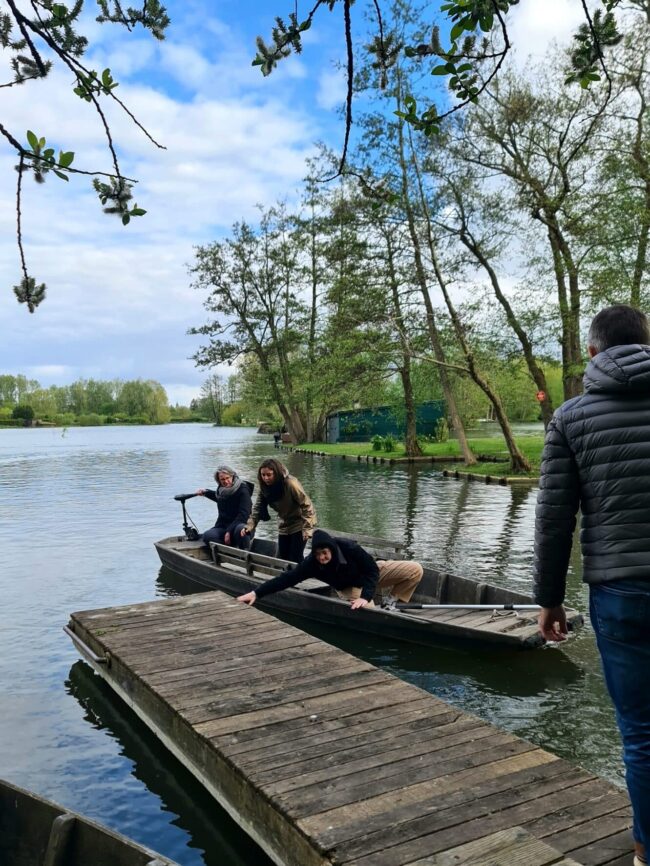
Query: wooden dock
(324,759)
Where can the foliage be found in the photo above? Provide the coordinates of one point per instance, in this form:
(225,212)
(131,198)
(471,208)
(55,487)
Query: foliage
(441,432)
(479,42)
(389,443)
(23,411)
(36,44)
(87,401)
(377,442)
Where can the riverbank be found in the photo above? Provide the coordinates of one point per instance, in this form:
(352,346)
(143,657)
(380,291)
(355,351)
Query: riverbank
(491,453)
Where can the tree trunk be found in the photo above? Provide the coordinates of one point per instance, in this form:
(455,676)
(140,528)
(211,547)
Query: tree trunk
(434,336)
(411,437)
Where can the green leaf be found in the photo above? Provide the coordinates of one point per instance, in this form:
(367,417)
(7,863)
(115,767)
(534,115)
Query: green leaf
(48,153)
(440,70)
(305,25)
(137,211)
(33,141)
(66,158)
(60,174)
(457,30)
(126,219)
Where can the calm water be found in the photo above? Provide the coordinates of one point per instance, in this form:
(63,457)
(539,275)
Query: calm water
(79,510)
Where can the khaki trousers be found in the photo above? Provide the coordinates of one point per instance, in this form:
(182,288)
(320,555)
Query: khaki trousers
(397,577)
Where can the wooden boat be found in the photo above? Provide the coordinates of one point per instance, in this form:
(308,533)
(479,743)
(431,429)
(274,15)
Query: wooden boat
(236,572)
(37,832)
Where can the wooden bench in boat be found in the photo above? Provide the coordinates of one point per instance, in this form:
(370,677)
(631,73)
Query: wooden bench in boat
(255,564)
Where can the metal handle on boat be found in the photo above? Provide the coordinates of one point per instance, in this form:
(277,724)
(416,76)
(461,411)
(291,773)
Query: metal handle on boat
(510,606)
(84,648)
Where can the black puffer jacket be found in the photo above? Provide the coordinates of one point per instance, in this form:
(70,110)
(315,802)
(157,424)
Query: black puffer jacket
(597,458)
(233,510)
(350,565)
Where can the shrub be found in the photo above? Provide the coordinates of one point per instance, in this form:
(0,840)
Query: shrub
(389,443)
(377,442)
(441,433)
(23,411)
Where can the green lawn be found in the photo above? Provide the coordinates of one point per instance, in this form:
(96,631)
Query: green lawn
(531,446)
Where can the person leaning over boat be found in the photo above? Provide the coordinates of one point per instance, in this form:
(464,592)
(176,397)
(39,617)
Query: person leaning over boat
(285,495)
(350,570)
(234,505)
(596,459)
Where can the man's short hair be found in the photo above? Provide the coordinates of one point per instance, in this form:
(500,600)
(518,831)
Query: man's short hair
(619,325)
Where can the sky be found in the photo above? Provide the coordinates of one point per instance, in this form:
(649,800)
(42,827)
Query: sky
(119,300)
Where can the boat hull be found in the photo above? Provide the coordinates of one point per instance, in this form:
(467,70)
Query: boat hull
(34,831)
(189,559)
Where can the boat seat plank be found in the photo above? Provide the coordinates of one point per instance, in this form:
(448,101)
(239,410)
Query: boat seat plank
(383,544)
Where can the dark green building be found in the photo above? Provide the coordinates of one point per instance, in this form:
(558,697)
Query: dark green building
(360,425)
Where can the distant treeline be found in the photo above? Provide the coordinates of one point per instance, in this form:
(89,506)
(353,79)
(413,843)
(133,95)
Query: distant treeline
(85,402)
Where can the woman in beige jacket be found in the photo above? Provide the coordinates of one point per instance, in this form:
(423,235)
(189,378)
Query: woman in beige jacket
(285,495)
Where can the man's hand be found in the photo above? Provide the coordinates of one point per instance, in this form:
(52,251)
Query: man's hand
(226,538)
(358,602)
(244,532)
(248,598)
(552,623)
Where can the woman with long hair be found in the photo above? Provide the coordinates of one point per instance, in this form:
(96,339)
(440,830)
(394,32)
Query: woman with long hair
(234,504)
(285,495)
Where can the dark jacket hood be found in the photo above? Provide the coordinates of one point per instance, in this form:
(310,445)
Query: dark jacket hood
(620,369)
(321,538)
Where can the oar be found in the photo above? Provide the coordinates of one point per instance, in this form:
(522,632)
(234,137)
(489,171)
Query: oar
(467,607)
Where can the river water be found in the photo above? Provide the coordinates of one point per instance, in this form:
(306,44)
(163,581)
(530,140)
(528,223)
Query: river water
(79,510)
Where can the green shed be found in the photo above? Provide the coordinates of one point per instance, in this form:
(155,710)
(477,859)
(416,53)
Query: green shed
(360,425)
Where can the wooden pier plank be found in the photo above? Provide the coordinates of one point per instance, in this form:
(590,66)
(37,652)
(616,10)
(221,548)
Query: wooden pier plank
(327,760)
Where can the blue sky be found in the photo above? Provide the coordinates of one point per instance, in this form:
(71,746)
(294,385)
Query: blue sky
(119,299)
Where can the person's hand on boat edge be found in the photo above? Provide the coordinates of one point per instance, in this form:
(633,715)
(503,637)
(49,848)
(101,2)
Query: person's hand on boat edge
(552,623)
(248,598)
(358,602)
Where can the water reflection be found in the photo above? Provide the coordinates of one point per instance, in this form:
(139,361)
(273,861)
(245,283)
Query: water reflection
(210,836)
(97,499)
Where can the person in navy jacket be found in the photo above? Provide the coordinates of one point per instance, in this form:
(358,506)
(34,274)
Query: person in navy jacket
(234,504)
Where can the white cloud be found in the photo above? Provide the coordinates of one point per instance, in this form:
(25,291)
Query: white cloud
(536,26)
(331,89)
(119,302)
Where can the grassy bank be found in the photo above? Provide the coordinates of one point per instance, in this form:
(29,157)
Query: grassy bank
(531,446)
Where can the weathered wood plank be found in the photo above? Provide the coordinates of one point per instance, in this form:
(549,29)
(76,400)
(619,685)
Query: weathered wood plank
(326,760)
(511,847)
(387,812)
(464,808)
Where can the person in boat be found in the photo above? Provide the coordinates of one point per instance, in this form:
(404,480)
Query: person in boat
(234,504)
(596,459)
(286,496)
(353,573)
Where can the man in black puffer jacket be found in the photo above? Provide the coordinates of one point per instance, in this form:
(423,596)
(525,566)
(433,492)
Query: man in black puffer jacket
(597,459)
(350,570)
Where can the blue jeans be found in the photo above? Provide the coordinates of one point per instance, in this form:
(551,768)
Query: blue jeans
(620,615)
